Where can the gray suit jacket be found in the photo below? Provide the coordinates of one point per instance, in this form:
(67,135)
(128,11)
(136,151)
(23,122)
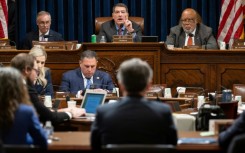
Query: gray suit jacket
(203,36)
(108,29)
(133,120)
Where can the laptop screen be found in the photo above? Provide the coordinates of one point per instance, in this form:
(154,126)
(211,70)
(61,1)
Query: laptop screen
(92,100)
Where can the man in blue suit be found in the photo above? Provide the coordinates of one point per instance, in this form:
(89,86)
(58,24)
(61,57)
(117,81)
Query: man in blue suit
(86,76)
(133,119)
(44,32)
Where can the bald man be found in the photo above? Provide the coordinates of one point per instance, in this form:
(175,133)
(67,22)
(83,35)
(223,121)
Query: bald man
(191,31)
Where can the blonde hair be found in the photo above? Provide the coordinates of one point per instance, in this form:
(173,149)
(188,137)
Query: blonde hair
(38,51)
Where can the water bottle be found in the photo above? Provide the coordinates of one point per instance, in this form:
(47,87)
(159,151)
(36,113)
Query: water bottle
(49,129)
(102,40)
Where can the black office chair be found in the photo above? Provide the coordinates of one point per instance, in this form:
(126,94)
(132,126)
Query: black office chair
(9,148)
(237,144)
(139,148)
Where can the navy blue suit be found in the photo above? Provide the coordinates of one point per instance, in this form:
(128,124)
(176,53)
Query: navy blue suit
(34,36)
(72,81)
(237,128)
(26,127)
(48,89)
(133,120)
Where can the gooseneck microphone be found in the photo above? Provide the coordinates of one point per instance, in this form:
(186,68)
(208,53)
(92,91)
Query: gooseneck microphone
(190,35)
(47,36)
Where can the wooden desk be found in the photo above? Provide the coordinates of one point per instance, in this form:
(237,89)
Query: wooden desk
(80,141)
(188,68)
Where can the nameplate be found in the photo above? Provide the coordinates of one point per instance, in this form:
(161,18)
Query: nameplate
(192,47)
(187,95)
(7,47)
(55,47)
(238,44)
(123,39)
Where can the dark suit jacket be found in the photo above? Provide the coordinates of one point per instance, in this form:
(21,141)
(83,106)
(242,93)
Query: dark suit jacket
(133,120)
(34,36)
(203,36)
(108,29)
(44,113)
(48,89)
(25,122)
(237,128)
(72,81)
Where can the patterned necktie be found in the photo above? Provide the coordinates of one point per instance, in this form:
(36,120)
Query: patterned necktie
(120,31)
(190,42)
(42,37)
(88,83)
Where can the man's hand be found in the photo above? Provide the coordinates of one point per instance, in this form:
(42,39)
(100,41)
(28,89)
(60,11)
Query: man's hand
(77,112)
(128,26)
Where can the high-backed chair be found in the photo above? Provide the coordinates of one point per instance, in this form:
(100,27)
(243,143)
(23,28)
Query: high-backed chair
(229,108)
(138,148)
(100,20)
(239,89)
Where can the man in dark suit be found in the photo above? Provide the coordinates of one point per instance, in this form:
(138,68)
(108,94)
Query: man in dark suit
(27,65)
(120,25)
(86,77)
(44,32)
(191,31)
(133,119)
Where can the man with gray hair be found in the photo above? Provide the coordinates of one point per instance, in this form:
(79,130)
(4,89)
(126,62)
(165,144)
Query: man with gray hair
(44,33)
(133,119)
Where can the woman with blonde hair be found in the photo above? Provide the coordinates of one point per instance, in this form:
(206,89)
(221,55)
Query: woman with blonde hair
(19,122)
(43,84)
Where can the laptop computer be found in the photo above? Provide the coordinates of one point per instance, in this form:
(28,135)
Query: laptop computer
(91,100)
(149,38)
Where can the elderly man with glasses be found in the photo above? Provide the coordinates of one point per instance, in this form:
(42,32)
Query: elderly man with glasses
(191,31)
(44,33)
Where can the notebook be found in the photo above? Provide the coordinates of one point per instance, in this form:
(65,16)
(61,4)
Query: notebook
(91,100)
(149,38)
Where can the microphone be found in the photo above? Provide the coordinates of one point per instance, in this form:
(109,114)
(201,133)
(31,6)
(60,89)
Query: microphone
(47,36)
(96,86)
(121,25)
(190,35)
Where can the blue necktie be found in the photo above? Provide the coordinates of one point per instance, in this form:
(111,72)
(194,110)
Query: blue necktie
(88,83)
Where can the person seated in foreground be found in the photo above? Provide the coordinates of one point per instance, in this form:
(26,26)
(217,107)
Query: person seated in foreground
(120,25)
(86,76)
(44,33)
(133,119)
(27,65)
(191,31)
(19,122)
(43,83)
(237,128)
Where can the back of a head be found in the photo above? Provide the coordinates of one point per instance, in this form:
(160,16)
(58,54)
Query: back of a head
(23,61)
(12,93)
(134,75)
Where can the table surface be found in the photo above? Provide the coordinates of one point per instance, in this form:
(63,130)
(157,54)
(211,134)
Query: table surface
(81,141)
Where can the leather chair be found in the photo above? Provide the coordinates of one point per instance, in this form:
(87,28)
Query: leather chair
(237,144)
(229,108)
(239,89)
(100,20)
(138,148)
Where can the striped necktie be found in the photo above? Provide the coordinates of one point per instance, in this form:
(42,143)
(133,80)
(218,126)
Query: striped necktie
(88,83)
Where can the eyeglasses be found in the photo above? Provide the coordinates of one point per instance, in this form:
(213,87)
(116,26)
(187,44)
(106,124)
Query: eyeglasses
(43,23)
(187,20)
(41,62)
(36,70)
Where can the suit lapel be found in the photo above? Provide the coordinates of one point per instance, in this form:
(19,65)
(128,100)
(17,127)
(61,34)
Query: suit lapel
(182,39)
(80,81)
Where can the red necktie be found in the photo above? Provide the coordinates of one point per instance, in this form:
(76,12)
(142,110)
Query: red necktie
(189,42)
